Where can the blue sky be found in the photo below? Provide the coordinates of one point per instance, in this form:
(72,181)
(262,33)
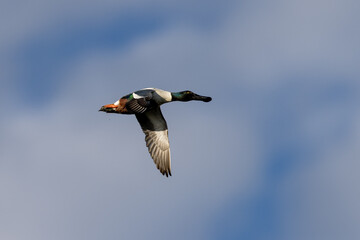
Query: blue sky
(273,156)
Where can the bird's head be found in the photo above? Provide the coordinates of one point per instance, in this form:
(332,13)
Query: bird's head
(187,95)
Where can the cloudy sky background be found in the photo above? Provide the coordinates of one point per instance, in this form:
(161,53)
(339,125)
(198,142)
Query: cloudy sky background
(275,155)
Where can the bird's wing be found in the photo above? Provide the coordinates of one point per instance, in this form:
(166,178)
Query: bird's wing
(138,106)
(154,126)
(140,101)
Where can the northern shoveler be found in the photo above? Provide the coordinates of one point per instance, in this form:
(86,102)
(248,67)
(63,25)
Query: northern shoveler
(145,104)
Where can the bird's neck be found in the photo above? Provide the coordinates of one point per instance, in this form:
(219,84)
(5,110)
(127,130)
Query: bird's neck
(177,96)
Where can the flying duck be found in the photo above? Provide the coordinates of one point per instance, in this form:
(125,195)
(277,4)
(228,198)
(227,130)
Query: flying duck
(145,104)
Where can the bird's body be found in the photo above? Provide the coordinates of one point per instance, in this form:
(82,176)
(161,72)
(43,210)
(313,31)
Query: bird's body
(145,104)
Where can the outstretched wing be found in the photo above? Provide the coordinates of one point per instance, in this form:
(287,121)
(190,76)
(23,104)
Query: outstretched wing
(154,126)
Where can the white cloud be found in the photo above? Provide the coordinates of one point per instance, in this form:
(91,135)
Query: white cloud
(268,41)
(320,200)
(22,20)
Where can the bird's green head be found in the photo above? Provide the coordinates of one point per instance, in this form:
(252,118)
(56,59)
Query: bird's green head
(187,95)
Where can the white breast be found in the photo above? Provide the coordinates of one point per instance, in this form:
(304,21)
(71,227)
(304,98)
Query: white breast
(161,96)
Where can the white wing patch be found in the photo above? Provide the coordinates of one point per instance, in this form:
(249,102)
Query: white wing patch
(136,96)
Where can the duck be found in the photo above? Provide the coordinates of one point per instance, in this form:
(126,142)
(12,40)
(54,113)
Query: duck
(145,105)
